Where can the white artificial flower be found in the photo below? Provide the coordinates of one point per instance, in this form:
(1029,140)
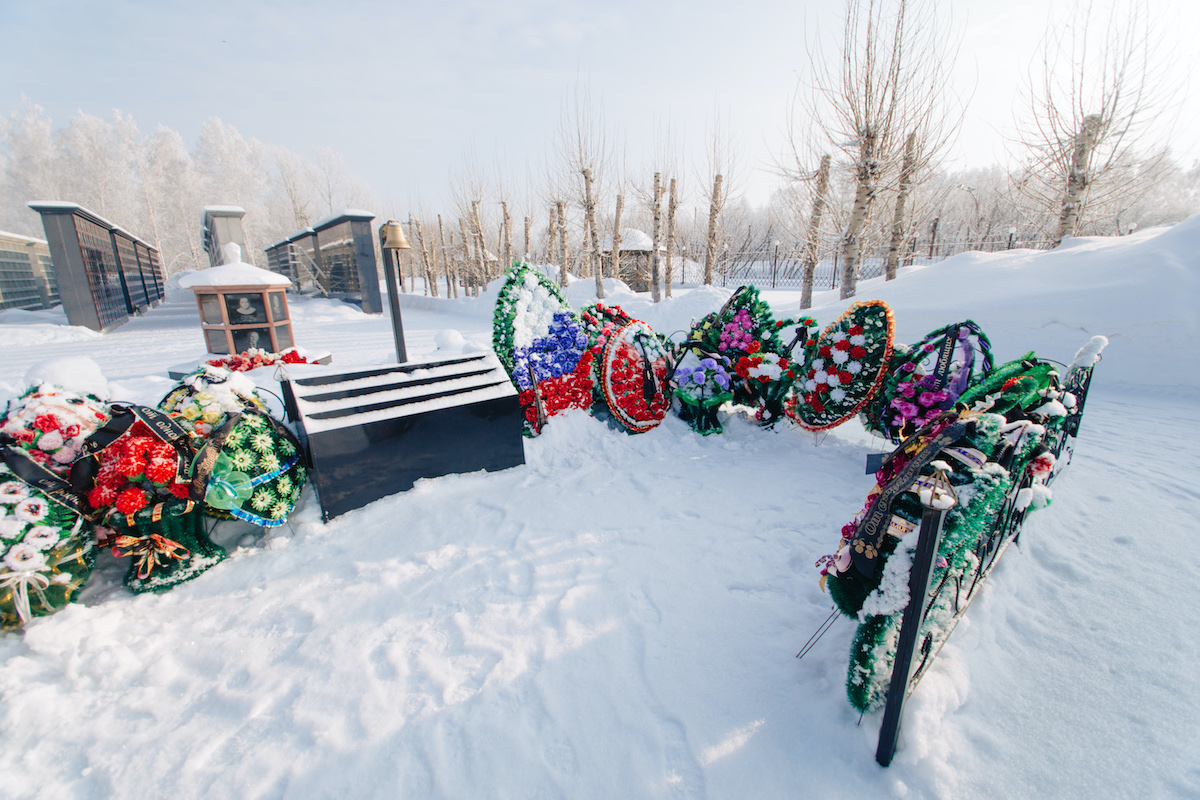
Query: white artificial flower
(854,367)
(833,379)
(43,537)
(837,395)
(838,336)
(34,509)
(818,364)
(12,492)
(810,385)
(50,441)
(11,528)
(821,376)
(66,455)
(859,340)
(840,356)
(24,558)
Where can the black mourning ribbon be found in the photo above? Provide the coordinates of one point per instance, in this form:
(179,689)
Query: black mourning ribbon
(36,475)
(941,370)
(649,380)
(161,424)
(868,536)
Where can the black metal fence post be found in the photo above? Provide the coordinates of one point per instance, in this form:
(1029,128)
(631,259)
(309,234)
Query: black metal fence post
(910,628)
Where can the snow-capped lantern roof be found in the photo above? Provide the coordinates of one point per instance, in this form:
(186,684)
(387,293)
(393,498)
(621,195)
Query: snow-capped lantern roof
(234,272)
(632,241)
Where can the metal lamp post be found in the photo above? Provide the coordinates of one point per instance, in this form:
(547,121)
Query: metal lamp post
(393,237)
(1011,233)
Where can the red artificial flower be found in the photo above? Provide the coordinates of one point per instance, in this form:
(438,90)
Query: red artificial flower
(791,375)
(102,496)
(855,330)
(70,432)
(160,451)
(180,490)
(825,351)
(160,470)
(131,501)
(130,466)
(754,347)
(812,373)
(46,423)
(843,345)
(24,436)
(857,351)
(845,377)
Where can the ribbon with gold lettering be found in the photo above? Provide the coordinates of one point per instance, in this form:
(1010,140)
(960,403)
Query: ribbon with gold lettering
(161,424)
(55,487)
(864,544)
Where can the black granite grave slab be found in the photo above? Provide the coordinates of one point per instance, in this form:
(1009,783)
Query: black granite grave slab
(371,433)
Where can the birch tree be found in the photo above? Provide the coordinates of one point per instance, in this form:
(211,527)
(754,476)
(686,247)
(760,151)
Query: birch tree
(1094,100)
(888,80)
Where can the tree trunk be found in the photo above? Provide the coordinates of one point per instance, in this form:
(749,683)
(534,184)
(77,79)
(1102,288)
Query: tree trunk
(710,247)
(561,209)
(615,259)
(655,263)
(467,260)
(426,261)
(672,203)
(1078,179)
(906,168)
(480,249)
(812,240)
(451,289)
(525,253)
(507,251)
(551,232)
(590,206)
(864,195)
(587,262)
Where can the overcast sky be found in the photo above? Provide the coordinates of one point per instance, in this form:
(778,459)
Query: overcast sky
(405,89)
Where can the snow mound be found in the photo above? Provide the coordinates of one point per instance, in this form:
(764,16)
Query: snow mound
(78,374)
(1142,292)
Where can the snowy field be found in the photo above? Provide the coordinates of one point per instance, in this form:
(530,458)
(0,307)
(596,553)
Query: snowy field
(619,617)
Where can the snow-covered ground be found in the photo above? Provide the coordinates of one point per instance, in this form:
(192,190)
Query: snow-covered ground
(619,617)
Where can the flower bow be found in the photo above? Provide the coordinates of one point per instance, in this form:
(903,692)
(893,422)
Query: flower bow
(147,550)
(227,488)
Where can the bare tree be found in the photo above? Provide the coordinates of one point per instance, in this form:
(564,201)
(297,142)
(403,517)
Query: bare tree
(887,82)
(812,236)
(615,249)
(1092,99)
(656,239)
(451,281)
(672,205)
(582,154)
(898,228)
(561,218)
(720,181)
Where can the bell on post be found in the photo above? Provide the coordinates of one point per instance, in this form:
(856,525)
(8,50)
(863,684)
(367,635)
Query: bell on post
(394,236)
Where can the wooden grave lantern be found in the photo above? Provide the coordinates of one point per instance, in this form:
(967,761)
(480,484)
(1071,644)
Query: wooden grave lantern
(242,307)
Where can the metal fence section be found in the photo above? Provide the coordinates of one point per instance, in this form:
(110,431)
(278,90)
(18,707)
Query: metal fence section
(782,267)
